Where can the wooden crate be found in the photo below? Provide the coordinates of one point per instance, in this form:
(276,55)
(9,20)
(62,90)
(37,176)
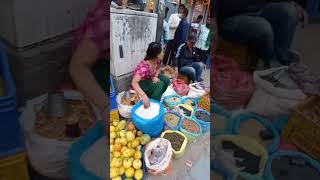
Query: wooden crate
(239,53)
(303,130)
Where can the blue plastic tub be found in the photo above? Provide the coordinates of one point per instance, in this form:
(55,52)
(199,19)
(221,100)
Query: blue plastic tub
(76,170)
(10,131)
(234,128)
(113,101)
(152,127)
(205,126)
(311,162)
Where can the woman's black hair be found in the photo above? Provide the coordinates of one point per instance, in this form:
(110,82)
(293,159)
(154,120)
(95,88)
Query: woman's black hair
(153,50)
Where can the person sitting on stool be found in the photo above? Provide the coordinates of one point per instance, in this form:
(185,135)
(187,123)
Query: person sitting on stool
(187,62)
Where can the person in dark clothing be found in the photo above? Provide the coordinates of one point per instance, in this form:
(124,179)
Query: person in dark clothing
(186,61)
(181,33)
(267,27)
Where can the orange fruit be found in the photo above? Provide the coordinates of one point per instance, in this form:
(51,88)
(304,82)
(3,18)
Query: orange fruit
(117,147)
(131,127)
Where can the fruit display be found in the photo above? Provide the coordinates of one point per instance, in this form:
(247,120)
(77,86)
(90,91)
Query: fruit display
(125,150)
(175,139)
(172,119)
(78,117)
(190,126)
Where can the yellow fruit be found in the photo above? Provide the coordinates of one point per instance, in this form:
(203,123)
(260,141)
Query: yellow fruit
(130,127)
(135,143)
(130,136)
(111,141)
(111,148)
(113,135)
(123,141)
(117,178)
(121,125)
(127,178)
(114,172)
(118,162)
(117,140)
(138,148)
(121,171)
(137,164)
(113,161)
(111,157)
(139,133)
(123,148)
(127,162)
(116,154)
(115,123)
(137,155)
(145,139)
(117,147)
(127,153)
(129,145)
(122,133)
(129,172)
(138,174)
(112,129)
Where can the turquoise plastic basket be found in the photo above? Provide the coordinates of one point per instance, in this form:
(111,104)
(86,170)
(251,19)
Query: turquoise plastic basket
(191,136)
(205,126)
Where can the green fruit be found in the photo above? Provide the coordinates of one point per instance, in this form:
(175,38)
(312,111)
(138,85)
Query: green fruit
(145,139)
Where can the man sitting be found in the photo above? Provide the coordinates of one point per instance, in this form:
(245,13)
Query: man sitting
(187,62)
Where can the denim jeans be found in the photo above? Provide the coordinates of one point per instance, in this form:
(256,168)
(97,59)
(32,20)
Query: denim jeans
(268,33)
(193,71)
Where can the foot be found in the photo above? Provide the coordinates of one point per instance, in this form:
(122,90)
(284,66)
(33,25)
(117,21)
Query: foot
(293,56)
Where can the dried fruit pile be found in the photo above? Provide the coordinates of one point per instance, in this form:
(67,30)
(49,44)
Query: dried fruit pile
(190,126)
(176,140)
(171,119)
(77,113)
(201,115)
(134,98)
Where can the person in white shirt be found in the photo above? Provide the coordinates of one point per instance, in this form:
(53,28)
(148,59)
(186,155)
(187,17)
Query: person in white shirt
(195,25)
(173,23)
(203,42)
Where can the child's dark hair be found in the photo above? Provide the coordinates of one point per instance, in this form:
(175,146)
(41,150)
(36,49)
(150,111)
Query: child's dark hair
(154,49)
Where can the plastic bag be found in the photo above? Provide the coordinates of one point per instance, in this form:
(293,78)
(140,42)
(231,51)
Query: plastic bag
(47,156)
(279,99)
(124,110)
(231,87)
(162,157)
(180,87)
(196,90)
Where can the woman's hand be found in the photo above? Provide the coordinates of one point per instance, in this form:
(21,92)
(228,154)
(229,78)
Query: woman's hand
(145,101)
(155,80)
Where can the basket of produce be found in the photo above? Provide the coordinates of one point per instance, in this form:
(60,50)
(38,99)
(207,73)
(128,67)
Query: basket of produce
(190,128)
(185,110)
(126,150)
(171,101)
(47,136)
(191,102)
(125,101)
(203,117)
(284,165)
(149,121)
(158,157)
(178,142)
(303,126)
(234,154)
(172,120)
(254,126)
